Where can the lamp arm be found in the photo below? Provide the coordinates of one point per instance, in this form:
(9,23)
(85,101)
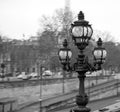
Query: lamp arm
(64,67)
(91,67)
(69,68)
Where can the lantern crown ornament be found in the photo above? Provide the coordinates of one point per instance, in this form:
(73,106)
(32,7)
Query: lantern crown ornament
(65,43)
(81,16)
(99,42)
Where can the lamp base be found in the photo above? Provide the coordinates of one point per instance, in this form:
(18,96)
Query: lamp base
(80,109)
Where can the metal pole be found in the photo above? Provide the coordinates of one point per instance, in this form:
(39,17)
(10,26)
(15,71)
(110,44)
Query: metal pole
(63,88)
(117,85)
(3,74)
(96,79)
(89,87)
(41,88)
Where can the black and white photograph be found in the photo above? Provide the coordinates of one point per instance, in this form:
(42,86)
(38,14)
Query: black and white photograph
(59,55)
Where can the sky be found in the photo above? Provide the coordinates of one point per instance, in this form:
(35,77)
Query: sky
(18,17)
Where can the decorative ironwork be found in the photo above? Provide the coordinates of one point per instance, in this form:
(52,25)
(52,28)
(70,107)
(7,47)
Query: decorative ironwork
(81,32)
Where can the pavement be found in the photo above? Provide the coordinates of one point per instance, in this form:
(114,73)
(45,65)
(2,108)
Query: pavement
(93,105)
(97,105)
(34,108)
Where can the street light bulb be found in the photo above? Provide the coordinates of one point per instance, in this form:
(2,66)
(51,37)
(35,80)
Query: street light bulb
(77,31)
(98,54)
(104,53)
(69,54)
(62,54)
(85,31)
(89,31)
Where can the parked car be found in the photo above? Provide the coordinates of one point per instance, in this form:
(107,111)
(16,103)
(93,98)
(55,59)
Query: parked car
(33,75)
(23,76)
(47,73)
(20,76)
(58,75)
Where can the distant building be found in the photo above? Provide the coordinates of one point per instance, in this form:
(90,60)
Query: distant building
(32,41)
(5,59)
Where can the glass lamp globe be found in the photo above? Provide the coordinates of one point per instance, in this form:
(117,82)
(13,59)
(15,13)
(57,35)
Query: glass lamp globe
(99,55)
(64,54)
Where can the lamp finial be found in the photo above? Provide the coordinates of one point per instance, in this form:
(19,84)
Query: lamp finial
(81,16)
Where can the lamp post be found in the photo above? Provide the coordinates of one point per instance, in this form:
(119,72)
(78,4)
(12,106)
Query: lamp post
(64,52)
(81,32)
(41,72)
(63,84)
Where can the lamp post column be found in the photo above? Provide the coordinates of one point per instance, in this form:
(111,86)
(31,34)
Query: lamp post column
(81,98)
(63,85)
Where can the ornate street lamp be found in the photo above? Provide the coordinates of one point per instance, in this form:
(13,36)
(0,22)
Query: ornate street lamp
(65,54)
(99,54)
(81,32)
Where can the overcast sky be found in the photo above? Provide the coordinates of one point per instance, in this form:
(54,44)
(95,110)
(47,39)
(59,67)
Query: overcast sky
(18,17)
